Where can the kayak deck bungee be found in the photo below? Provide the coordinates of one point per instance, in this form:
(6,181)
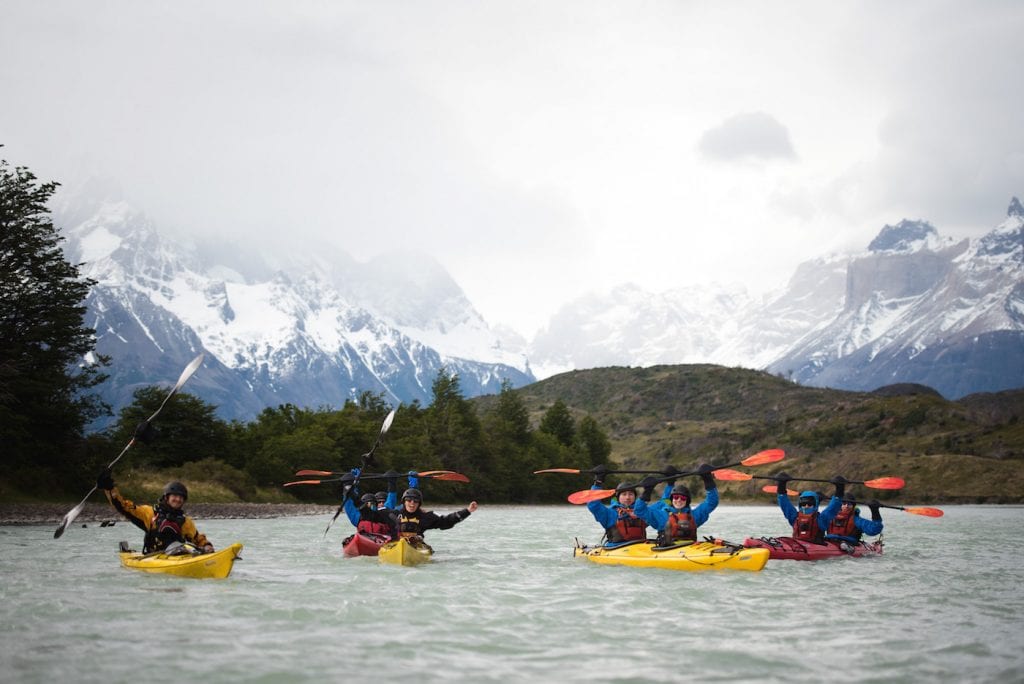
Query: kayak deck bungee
(404,552)
(788,548)
(696,556)
(216,565)
(363,544)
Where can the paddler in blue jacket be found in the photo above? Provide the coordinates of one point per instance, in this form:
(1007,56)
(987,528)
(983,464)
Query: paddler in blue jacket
(677,522)
(389,500)
(809,524)
(848,526)
(620,522)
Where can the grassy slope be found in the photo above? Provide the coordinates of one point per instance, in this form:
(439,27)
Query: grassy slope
(968,451)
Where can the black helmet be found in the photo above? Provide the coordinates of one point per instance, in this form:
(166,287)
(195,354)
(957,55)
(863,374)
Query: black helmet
(176,488)
(412,493)
(367,499)
(681,490)
(380,497)
(625,487)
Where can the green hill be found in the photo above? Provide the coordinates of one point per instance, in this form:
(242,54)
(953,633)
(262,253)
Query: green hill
(966,451)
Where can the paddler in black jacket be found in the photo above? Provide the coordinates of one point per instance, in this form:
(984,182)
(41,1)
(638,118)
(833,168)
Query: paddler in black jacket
(411,521)
(164,523)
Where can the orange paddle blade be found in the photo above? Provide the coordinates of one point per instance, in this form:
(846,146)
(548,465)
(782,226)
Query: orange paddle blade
(570,471)
(322,473)
(766,456)
(773,489)
(732,475)
(923,510)
(428,473)
(449,477)
(289,484)
(588,495)
(886,483)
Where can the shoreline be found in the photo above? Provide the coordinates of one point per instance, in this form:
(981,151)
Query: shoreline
(46,513)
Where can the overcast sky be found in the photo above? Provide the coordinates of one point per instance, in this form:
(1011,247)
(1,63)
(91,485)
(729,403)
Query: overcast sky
(539,149)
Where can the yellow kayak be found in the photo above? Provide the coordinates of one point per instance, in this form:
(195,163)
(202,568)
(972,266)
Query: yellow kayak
(216,565)
(404,552)
(691,557)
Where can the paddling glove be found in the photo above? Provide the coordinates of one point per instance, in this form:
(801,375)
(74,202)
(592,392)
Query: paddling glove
(875,513)
(648,484)
(840,482)
(782,481)
(392,476)
(669,471)
(707,474)
(146,433)
(105,480)
(414,479)
(599,475)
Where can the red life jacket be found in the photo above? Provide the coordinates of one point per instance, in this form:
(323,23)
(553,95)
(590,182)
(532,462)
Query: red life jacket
(845,526)
(371,527)
(628,527)
(680,527)
(805,528)
(165,529)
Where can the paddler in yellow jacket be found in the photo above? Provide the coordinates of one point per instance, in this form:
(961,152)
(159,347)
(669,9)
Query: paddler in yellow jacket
(164,523)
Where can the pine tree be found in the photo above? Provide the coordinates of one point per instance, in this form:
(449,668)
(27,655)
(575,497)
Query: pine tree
(44,344)
(557,421)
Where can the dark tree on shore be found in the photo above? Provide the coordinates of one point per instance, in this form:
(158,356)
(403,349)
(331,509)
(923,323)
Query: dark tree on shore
(44,376)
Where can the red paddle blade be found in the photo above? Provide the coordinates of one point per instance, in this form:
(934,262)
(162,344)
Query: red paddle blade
(886,483)
(588,495)
(570,471)
(766,456)
(773,489)
(923,510)
(728,475)
(449,477)
(321,473)
(289,484)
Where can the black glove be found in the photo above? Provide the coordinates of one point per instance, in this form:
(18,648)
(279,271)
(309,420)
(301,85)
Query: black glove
(875,513)
(648,483)
(599,474)
(105,480)
(707,474)
(669,471)
(392,480)
(781,481)
(840,482)
(146,433)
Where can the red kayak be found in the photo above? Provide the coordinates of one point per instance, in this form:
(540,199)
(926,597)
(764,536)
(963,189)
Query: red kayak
(364,544)
(787,548)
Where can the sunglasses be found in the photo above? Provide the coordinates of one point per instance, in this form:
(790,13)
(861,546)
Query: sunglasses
(409,498)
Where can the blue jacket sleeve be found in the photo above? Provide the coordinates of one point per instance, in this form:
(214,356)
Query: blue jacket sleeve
(655,516)
(869,527)
(606,516)
(788,509)
(702,512)
(351,511)
(391,501)
(826,517)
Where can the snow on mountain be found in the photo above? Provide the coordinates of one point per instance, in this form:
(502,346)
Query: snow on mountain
(283,328)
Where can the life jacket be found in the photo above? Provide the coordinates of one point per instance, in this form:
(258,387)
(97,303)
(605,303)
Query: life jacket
(845,526)
(372,527)
(627,528)
(165,529)
(805,528)
(680,527)
(409,524)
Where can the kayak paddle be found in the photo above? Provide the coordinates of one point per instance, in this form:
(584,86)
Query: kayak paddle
(70,516)
(877,483)
(760,458)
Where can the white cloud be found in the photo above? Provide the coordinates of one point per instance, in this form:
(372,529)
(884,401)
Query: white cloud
(748,136)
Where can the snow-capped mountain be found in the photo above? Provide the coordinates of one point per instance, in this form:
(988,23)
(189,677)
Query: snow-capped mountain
(914,307)
(311,331)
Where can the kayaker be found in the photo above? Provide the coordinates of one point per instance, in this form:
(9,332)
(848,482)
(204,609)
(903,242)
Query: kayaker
(618,519)
(411,521)
(380,500)
(809,524)
(849,527)
(677,522)
(164,523)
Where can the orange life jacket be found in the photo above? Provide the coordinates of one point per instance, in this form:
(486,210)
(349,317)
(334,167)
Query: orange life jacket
(845,526)
(805,528)
(627,528)
(680,527)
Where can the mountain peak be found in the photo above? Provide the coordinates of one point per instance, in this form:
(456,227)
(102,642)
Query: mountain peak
(905,236)
(1015,208)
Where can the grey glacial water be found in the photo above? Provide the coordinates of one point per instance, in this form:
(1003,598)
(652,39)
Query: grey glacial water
(505,601)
